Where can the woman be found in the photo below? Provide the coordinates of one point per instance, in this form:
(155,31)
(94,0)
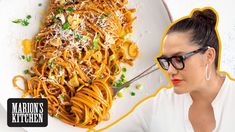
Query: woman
(202,99)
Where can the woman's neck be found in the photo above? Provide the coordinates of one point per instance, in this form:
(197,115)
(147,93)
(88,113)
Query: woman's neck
(207,93)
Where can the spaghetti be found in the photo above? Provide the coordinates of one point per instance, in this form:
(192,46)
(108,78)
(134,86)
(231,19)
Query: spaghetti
(77,56)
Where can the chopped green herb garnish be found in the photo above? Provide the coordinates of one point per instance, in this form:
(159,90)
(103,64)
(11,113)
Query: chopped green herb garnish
(28,58)
(23,22)
(118,83)
(78,36)
(84,38)
(100,77)
(61,97)
(111,81)
(26,71)
(112,57)
(39,4)
(123,77)
(17,21)
(128,85)
(89,48)
(69,9)
(66,26)
(118,48)
(62,2)
(121,81)
(96,41)
(52,77)
(51,63)
(53,18)
(132,93)
(59,10)
(28,16)
(38,39)
(115,67)
(22,57)
(120,94)
(124,69)
(115,73)
(139,86)
(102,17)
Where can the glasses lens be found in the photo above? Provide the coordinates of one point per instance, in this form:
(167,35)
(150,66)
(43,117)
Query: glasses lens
(177,62)
(164,64)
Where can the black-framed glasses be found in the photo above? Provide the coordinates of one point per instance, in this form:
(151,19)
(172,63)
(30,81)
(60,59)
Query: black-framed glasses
(178,61)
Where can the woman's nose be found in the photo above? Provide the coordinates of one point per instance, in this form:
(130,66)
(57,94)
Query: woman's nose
(171,70)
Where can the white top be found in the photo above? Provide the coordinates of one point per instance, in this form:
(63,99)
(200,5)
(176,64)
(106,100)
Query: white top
(168,112)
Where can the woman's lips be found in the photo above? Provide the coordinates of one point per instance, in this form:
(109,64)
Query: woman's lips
(176,81)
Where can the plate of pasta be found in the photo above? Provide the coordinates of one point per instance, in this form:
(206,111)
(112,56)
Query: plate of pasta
(72,52)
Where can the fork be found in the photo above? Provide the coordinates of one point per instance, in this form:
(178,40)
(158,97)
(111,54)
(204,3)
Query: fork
(143,74)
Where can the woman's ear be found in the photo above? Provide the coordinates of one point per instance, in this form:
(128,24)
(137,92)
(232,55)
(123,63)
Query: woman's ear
(210,55)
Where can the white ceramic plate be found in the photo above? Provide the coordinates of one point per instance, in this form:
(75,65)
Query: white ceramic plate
(152,19)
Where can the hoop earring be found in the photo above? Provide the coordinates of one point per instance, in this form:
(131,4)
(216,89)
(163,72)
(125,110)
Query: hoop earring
(208,76)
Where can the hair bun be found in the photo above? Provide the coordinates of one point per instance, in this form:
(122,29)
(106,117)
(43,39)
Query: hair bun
(207,16)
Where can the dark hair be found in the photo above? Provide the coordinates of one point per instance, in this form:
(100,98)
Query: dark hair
(201,25)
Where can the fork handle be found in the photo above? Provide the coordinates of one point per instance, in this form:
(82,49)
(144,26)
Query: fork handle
(144,73)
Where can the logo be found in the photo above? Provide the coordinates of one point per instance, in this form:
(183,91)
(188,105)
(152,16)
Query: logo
(27,112)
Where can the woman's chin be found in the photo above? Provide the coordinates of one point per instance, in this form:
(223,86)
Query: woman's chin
(179,90)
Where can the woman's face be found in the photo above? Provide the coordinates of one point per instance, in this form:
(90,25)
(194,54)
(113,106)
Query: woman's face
(192,77)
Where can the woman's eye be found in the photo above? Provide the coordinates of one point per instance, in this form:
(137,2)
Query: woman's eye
(177,59)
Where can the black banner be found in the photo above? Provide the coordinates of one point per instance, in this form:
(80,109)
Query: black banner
(27,112)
